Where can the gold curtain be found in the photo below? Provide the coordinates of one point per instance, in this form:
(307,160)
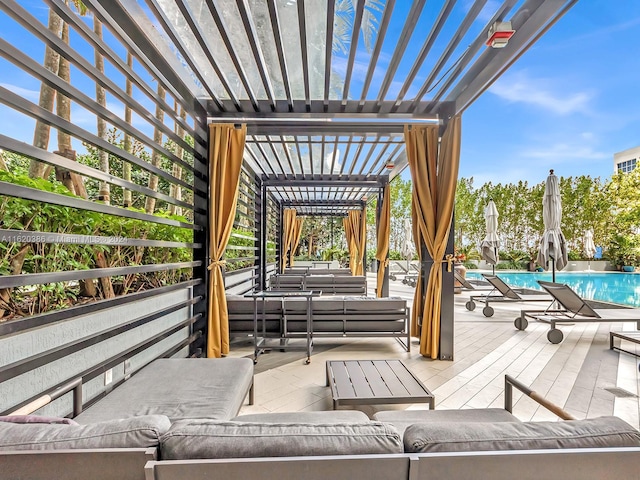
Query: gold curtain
(226,147)
(288,231)
(383,238)
(358,235)
(295,241)
(434,175)
(351,246)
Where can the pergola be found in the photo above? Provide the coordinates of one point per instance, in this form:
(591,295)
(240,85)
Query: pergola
(325,92)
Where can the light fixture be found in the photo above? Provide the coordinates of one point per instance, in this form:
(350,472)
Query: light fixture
(499,34)
(389,165)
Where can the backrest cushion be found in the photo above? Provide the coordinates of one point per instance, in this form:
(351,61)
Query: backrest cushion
(203,438)
(476,436)
(134,432)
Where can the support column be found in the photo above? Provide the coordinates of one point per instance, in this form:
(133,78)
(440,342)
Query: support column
(279,251)
(261,224)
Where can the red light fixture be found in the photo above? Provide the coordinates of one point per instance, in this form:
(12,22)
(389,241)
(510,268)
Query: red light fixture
(499,34)
(389,166)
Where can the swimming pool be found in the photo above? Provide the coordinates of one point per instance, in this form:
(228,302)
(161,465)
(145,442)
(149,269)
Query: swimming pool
(616,287)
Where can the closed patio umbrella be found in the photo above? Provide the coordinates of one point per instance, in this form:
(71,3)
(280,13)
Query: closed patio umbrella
(489,246)
(589,247)
(553,245)
(407,246)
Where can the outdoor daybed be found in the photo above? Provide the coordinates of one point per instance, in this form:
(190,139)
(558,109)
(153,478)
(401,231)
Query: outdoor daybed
(334,316)
(117,435)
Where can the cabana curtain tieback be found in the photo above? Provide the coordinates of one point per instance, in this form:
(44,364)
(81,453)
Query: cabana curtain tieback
(216,263)
(449,258)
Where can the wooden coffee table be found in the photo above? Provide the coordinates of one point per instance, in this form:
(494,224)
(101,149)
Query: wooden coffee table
(371,382)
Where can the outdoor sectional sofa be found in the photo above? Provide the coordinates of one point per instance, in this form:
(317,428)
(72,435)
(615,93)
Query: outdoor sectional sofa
(333,316)
(413,444)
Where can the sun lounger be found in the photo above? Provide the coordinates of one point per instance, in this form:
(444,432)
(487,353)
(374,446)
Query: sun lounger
(501,292)
(573,308)
(469,286)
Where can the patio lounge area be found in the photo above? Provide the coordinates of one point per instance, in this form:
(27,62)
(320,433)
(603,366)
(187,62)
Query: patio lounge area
(582,375)
(192,140)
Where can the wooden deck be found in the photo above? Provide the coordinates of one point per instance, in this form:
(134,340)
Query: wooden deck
(581,374)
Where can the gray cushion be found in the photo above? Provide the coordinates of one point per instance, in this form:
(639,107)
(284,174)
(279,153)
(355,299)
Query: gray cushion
(475,436)
(211,439)
(336,416)
(178,388)
(137,432)
(401,419)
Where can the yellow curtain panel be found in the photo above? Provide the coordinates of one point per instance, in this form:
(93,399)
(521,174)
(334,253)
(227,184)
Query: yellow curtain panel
(434,174)
(383,238)
(226,146)
(288,232)
(357,221)
(351,247)
(297,232)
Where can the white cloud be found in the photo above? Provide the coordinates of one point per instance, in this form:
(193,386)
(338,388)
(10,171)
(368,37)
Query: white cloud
(564,151)
(543,93)
(31,95)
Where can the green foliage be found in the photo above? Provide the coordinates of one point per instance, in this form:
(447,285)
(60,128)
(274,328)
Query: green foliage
(587,204)
(41,257)
(624,250)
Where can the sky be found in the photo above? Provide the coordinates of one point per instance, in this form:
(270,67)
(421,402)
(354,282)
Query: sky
(568,104)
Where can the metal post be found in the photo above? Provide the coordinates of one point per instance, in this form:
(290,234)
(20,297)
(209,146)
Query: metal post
(262,222)
(279,238)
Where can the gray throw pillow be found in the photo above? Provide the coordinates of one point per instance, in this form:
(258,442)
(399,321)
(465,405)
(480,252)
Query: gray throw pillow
(134,432)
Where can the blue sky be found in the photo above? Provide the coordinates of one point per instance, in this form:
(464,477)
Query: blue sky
(569,103)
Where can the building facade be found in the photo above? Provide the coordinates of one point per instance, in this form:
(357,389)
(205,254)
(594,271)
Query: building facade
(626,160)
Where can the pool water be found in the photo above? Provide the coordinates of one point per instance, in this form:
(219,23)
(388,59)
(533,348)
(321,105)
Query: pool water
(615,287)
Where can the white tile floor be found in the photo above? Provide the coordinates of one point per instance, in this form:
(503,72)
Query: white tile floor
(580,374)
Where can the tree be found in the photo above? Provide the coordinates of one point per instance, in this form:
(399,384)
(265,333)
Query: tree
(156,157)
(47,97)
(101,98)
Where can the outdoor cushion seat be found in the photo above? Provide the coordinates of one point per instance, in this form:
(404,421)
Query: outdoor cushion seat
(137,432)
(178,388)
(322,416)
(450,436)
(401,419)
(204,438)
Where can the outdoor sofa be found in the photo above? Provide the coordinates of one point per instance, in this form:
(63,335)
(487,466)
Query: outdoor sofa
(454,444)
(486,443)
(569,307)
(333,316)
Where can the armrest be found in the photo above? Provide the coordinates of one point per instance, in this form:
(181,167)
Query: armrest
(510,382)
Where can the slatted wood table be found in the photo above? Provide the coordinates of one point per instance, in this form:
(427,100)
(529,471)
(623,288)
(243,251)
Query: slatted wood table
(371,382)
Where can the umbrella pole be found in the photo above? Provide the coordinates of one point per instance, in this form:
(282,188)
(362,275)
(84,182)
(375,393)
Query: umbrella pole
(553,269)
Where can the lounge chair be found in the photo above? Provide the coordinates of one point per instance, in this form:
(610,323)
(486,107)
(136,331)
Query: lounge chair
(504,293)
(469,286)
(573,308)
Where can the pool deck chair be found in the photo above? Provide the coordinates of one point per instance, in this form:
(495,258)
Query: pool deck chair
(501,292)
(469,286)
(574,309)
